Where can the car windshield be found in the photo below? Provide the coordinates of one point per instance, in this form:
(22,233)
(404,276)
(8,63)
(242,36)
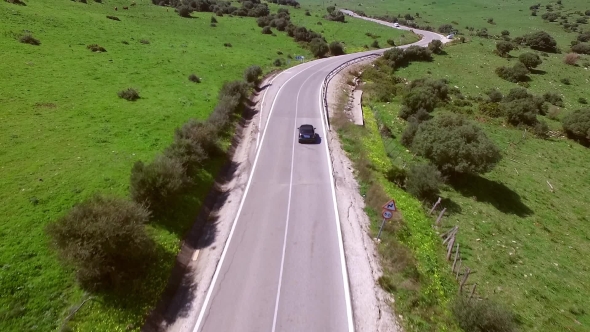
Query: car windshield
(307,130)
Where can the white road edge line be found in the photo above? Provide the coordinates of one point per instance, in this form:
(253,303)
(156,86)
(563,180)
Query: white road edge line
(262,106)
(340,242)
(274,320)
(231,233)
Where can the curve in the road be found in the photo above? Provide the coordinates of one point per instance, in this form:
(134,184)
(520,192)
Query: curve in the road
(283,267)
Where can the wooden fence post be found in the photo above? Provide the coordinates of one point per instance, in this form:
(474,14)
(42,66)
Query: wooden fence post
(472,291)
(434,206)
(450,248)
(464,280)
(456,255)
(437,223)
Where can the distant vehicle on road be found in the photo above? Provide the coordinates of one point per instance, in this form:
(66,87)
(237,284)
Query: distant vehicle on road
(396,25)
(307,134)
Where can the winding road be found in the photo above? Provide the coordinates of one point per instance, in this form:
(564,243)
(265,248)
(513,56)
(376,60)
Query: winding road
(283,266)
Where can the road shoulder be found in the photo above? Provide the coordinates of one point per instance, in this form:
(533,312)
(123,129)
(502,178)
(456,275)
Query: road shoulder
(371,305)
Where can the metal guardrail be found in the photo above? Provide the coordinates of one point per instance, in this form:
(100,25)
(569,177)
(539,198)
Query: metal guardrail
(335,72)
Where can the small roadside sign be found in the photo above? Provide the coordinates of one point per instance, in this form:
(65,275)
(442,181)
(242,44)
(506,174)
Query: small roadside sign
(386,214)
(390,206)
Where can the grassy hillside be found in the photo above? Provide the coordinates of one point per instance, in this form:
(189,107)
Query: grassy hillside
(527,245)
(66,135)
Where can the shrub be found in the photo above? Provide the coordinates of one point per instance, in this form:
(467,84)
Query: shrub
(576,125)
(213,19)
(307,13)
(530,60)
(397,57)
(277,62)
(104,239)
(455,145)
(336,48)
(390,42)
(319,48)
(29,39)
(194,142)
(336,16)
(144,41)
(375,44)
(584,37)
(396,175)
(184,11)
(521,112)
(194,78)
(553,98)
(266,30)
(482,315)
(504,47)
(114,18)
(227,44)
(96,48)
(421,98)
(495,95)
(423,181)
(505,33)
(582,100)
(540,41)
(550,16)
(252,74)
(518,73)
(435,46)
(129,94)
(157,184)
(16,2)
(581,48)
(409,133)
(565,81)
(541,129)
(125,42)
(491,109)
(445,28)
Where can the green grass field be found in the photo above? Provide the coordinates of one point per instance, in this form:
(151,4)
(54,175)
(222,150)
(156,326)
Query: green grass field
(527,245)
(66,135)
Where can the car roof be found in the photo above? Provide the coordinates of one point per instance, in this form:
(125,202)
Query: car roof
(306,126)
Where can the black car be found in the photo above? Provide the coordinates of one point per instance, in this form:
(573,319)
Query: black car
(307,134)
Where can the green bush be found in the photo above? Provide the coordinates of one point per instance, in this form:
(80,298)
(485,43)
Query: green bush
(252,74)
(581,48)
(319,48)
(193,143)
(417,99)
(521,112)
(565,81)
(184,11)
(390,42)
(491,109)
(582,100)
(540,41)
(213,19)
(495,95)
(336,48)
(129,94)
(266,30)
(114,18)
(455,145)
(482,316)
(577,125)
(435,46)
(29,39)
(518,73)
(446,28)
(105,240)
(397,57)
(423,181)
(541,129)
(96,48)
(194,78)
(504,47)
(277,62)
(530,60)
(553,98)
(409,133)
(397,175)
(159,183)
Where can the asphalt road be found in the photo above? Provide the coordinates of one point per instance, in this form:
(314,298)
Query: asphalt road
(283,265)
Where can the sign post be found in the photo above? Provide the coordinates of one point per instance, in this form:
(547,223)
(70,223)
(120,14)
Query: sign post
(387,214)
